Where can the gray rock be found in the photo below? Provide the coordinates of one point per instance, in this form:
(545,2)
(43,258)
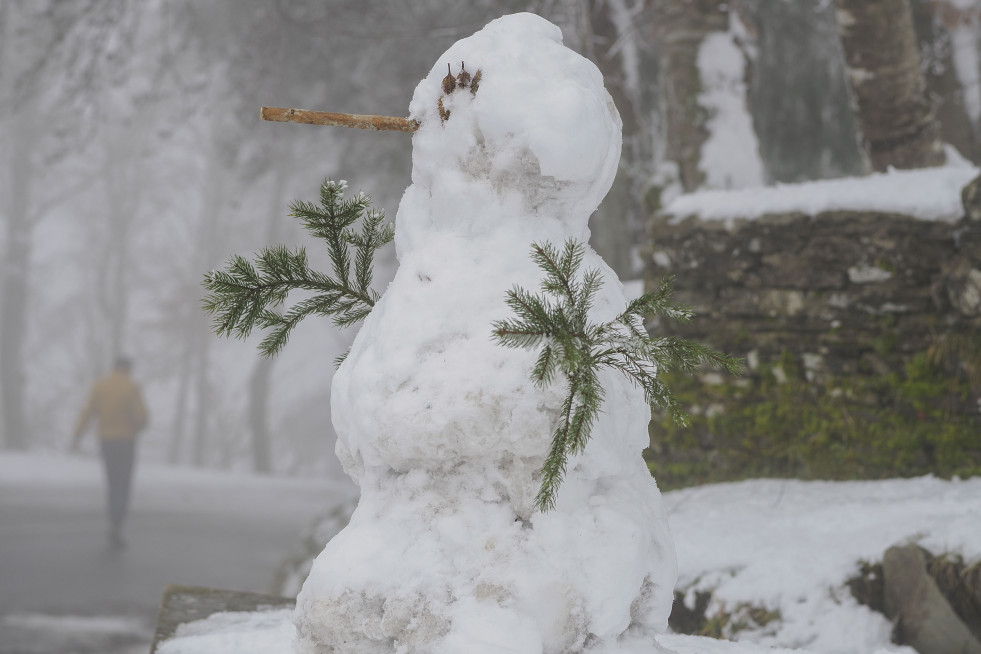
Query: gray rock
(964,286)
(181,604)
(971,199)
(923,617)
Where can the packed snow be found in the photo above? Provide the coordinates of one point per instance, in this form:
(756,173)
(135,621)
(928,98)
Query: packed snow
(784,545)
(442,428)
(927,193)
(730,156)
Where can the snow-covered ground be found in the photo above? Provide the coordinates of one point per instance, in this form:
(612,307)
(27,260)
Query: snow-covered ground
(64,590)
(38,633)
(785,545)
(790,546)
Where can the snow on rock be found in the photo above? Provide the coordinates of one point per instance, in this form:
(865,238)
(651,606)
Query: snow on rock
(790,546)
(928,194)
(442,428)
(254,632)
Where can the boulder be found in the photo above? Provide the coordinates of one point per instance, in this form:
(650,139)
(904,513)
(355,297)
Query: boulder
(971,198)
(923,617)
(182,604)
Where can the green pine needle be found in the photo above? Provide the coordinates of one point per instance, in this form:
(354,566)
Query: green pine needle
(557,321)
(241,296)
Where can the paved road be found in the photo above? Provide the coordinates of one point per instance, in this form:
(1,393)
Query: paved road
(64,590)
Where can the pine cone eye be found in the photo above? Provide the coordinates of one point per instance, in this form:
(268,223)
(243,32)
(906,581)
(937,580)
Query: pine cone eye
(444,113)
(449,82)
(463,79)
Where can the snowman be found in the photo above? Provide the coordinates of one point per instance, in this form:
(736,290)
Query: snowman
(441,427)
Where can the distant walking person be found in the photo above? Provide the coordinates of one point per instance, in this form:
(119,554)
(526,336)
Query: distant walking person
(117,404)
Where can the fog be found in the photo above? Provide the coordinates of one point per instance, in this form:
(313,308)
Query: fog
(133,162)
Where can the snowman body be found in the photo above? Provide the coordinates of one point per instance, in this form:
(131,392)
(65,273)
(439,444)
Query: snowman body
(442,428)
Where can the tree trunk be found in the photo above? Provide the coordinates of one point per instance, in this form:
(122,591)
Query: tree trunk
(888,86)
(609,41)
(16,254)
(262,373)
(680,28)
(946,34)
(15,283)
(259,415)
(123,186)
(213,199)
(180,410)
(799,93)
(202,392)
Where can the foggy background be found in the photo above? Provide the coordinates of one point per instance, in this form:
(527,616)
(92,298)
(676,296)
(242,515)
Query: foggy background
(133,162)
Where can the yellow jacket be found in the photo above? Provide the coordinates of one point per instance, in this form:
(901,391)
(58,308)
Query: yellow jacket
(117,403)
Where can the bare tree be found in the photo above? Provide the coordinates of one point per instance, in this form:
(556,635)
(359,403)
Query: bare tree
(948,38)
(895,114)
(261,379)
(680,28)
(20,135)
(799,93)
(52,59)
(611,33)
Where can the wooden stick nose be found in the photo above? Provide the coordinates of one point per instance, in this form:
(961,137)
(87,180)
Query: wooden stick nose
(358,121)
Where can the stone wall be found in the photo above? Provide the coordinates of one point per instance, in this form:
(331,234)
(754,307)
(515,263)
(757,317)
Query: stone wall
(862,338)
(844,291)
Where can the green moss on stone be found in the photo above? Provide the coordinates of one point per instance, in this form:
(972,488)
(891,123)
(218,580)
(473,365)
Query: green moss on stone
(870,426)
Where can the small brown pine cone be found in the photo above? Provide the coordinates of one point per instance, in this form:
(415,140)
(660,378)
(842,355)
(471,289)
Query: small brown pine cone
(463,79)
(449,82)
(444,113)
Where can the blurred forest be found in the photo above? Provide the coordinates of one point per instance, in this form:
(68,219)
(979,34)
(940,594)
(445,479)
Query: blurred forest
(133,161)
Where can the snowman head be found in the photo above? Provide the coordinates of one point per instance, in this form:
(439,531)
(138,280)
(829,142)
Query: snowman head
(514,120)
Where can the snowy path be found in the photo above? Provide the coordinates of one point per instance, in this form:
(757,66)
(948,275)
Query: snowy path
(63,589)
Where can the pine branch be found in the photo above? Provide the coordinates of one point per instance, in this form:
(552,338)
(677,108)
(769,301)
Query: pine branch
(545,367)
(240,296)
(340,359)
(570,344)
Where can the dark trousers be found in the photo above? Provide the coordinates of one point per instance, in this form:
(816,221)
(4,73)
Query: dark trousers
(117,455)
